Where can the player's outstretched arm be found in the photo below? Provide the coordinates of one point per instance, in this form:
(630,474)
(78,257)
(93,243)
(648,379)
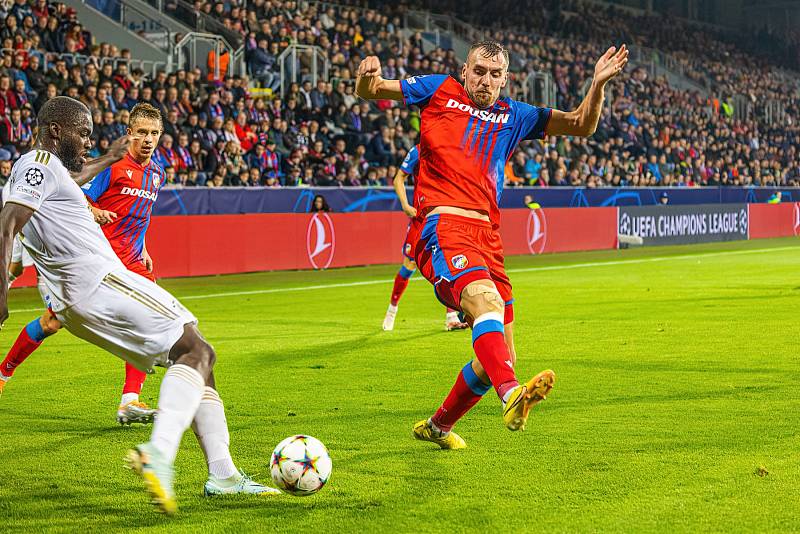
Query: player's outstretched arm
(92,168)
(13,217)
(371,86)
(583,121)
(399,183)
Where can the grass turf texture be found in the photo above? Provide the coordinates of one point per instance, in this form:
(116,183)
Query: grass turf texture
(677,379)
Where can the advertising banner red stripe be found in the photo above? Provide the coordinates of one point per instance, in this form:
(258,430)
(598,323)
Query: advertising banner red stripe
(197,245)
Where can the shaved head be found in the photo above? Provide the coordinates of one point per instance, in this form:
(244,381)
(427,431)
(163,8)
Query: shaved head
(65,127)
(61,110)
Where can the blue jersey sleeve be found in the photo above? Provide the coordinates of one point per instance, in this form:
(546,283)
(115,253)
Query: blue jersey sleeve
(409,165)
(98,185)
(532,120)
(418,90)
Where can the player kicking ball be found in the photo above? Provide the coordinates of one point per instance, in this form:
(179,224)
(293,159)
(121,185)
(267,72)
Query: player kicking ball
(467,135)
(94,296)
(122,195)
(409,168)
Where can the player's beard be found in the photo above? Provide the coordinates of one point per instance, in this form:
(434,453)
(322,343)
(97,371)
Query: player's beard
(71,155)
(482,100)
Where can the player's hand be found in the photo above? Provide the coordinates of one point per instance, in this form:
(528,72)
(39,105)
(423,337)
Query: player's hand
(610,64)
(119,148)
(411,211)
(147,260)
(369,78)
(102,217)
(370,67)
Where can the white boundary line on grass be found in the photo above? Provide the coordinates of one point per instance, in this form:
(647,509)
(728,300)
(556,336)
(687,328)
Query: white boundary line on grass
(521,270)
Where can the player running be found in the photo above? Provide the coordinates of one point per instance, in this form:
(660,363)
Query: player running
(409,168)
(467,135)
(122,196)
(98,299)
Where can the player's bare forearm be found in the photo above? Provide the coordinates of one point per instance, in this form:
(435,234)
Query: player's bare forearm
(583,120)
(12,218)
(370,85)
(93,167)
(399,184)
(376,88)
(400,190)
(591,107)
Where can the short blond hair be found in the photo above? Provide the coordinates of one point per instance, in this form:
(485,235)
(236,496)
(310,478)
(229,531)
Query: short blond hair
(144,110)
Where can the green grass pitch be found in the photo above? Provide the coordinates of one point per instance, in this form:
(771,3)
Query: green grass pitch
(678,378)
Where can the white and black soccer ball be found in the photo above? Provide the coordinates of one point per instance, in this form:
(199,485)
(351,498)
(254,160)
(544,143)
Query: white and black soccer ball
(300,465)
(34,177)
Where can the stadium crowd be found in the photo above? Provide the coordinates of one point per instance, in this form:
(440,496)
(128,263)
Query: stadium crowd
(320,134)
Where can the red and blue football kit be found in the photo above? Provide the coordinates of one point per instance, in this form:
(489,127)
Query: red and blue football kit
(462,155)
(410,166)
(129,190)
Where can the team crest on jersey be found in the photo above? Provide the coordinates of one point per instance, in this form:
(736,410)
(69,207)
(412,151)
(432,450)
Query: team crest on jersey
(408,249)
(459,262)
(34,177)
(156,180)
(129,173)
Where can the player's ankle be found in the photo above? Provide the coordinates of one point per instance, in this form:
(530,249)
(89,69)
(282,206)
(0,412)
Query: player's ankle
(437,430)
(128,398)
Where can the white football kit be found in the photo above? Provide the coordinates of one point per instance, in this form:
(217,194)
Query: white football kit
(19,254)
(84,283)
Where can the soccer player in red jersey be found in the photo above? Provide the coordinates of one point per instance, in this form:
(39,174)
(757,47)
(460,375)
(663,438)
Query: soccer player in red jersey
(122,198)
(409,168)
(467,134)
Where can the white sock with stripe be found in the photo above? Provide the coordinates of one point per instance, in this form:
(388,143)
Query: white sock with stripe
(179,398)
(211,428)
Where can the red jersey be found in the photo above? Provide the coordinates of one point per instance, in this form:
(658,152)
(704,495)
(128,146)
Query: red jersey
(463,150)
(129,190)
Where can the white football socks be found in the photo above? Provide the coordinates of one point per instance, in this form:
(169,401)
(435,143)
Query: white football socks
(179,398)
(211,428)
(438,432)
(507,395)
(127,398)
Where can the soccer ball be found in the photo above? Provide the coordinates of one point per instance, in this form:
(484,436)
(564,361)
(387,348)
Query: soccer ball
(300,465)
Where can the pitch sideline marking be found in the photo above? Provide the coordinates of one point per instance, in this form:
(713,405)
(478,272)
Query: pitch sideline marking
(519,270)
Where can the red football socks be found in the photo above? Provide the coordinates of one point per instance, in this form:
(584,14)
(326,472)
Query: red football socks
(400,285)
(466,393)
(491,350)
(134,379)
(22,348)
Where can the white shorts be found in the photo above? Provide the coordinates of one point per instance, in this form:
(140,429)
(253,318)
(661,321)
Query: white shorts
(19,254)
(130,317)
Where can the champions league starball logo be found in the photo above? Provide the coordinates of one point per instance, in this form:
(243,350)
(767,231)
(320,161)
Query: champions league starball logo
(743,222)
(624,224)
(156,180)
(320,241)
(537,231)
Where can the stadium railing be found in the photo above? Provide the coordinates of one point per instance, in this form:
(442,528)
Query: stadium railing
(290,64)
(194,47)
(186,13)
(135,20)
(49,58)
